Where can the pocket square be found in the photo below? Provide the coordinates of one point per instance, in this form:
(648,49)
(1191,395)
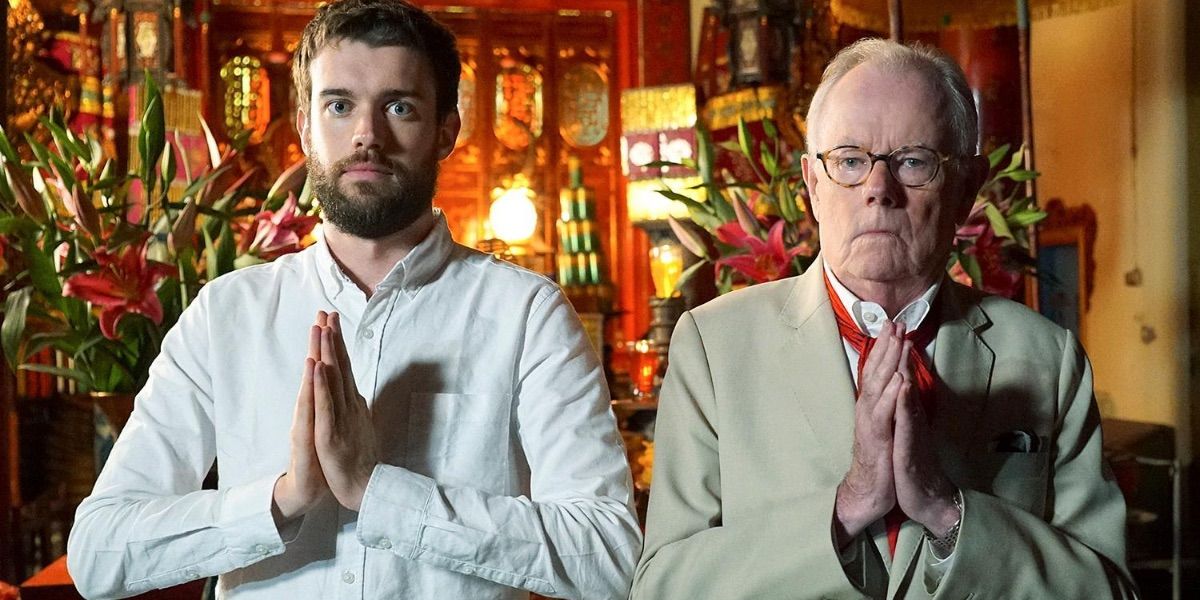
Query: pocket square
(1017,440)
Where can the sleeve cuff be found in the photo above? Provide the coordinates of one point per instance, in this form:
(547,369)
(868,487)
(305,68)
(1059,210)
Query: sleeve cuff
(245,519)
(393,510)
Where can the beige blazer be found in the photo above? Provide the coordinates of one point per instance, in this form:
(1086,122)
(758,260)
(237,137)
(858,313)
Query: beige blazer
(755,429)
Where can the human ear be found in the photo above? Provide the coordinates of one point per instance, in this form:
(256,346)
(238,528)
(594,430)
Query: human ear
(448,134)
(810,181)
(302,129)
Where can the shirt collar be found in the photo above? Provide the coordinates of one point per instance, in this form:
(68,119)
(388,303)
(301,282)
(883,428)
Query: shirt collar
(869,316)
(416,269)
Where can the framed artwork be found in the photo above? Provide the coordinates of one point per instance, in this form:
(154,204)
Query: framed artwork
(1066,265)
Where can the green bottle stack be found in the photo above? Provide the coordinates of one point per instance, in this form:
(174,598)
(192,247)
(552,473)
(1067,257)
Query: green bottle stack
(579,259)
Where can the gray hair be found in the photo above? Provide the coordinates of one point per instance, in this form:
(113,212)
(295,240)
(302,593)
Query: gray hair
(941,71)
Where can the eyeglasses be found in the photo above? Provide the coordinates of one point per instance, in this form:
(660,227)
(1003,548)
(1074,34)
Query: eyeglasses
(912,166)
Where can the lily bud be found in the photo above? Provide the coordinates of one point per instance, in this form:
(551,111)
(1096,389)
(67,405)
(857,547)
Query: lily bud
(291,180)
(81,208)
(28,199)
(183,233)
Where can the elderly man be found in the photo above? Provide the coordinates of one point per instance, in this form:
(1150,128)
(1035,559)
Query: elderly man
(870,428)
(441,431)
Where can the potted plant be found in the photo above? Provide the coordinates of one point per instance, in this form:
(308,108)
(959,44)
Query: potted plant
(99,264)
(756,230)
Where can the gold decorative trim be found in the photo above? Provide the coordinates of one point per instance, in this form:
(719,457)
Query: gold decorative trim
(750,104)
(872,15)
(652,109)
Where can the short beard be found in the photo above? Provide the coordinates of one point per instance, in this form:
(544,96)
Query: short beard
(373,210)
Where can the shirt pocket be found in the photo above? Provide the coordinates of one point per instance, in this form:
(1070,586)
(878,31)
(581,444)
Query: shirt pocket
(460,439)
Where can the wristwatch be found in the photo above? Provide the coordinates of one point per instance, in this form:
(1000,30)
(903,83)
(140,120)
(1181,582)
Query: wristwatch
(943,546)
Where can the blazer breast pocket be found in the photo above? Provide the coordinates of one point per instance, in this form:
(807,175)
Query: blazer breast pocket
(1018,477)
(460,439)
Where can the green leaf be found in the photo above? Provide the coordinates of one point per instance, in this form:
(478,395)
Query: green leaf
(168,167)
(744,138)
(187,168)
(686,200)
(67,146)
(1018,158)
(787,202)
(997,220)
(62,170)
(41,269)
(6,148)
(720,205)
(704,153)
(687,275)
(210,255)
(214,149)
(1025,219)
(730,146)
(1023,175)
(997,155)
(725,280)
(154,126)
(767,156)
(82,377)
(971,266)
(226,249)
(770,129)
(17,224)
(12,331)
(40,151)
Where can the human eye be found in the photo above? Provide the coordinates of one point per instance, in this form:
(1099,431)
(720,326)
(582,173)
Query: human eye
(916,159)
(337,107)
(849,160)
(400,108)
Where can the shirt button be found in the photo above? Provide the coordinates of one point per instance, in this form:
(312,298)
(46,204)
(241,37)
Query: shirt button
(348,577)
(192,574)
(261,549)
(368,334)
(870,317)
(385,544)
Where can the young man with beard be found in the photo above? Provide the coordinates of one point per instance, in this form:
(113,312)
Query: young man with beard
(450,435)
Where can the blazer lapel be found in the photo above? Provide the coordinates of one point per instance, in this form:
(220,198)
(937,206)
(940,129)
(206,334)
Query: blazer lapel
(962,364)
(824,392)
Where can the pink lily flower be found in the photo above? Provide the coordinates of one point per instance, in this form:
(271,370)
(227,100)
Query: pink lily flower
(124,282)
(767,260)
(279,232)
(989,252)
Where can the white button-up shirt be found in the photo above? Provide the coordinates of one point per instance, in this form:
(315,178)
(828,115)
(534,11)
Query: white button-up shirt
(501,465)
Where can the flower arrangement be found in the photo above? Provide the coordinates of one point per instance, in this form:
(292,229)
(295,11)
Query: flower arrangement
(99,265)
(757,230)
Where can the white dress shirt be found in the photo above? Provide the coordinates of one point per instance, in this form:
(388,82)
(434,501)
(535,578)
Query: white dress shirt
(501,465)
(870,317)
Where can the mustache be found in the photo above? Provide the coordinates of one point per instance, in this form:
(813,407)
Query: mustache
(368,158)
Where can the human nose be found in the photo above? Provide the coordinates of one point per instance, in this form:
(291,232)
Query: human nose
(881,186)
(366,132)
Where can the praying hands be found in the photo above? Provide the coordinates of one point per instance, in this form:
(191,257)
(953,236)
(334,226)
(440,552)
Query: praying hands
(332,437)
(894,462)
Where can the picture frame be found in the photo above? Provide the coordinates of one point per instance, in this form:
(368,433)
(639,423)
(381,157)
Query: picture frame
(1066,265)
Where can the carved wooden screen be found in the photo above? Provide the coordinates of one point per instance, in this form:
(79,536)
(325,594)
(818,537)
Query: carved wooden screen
(553,69)
(537,87)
